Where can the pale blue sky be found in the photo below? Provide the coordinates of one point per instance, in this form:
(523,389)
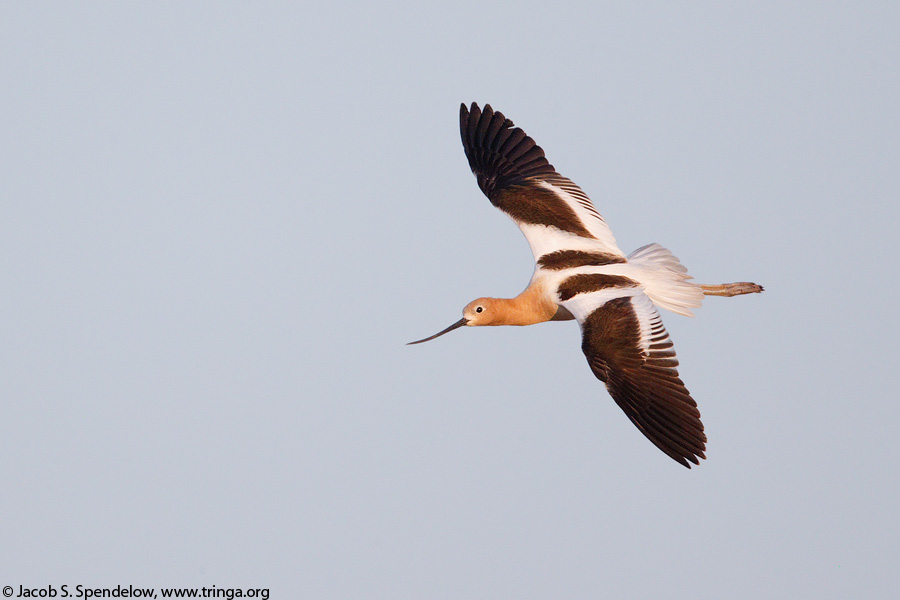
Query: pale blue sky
(220,223)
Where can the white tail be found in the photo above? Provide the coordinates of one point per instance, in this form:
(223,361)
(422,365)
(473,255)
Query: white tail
(665,280)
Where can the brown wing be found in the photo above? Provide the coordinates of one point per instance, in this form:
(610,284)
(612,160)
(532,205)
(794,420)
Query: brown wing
(628,348)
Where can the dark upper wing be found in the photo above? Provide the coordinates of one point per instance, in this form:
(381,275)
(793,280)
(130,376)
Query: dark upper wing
(512,171)
(628,348)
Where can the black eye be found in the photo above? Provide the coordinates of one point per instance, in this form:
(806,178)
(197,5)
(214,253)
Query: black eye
(479,309)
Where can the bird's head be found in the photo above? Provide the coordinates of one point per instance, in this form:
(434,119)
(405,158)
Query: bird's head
(476,313)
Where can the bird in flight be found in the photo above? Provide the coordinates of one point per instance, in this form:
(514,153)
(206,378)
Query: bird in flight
(581,274)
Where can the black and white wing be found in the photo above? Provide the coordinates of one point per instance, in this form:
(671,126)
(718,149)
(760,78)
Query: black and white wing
(628,348)
(552,212)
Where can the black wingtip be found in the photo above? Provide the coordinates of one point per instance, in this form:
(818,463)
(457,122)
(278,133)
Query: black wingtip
(499,153)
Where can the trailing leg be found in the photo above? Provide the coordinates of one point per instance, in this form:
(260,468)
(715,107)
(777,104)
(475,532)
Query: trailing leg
(731,289)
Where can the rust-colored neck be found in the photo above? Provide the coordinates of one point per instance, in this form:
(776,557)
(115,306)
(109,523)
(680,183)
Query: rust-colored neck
(530,307)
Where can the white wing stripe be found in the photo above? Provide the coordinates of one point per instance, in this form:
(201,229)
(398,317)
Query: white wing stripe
(587,214)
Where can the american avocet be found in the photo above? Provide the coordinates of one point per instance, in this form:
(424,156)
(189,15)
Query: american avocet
(581,274)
